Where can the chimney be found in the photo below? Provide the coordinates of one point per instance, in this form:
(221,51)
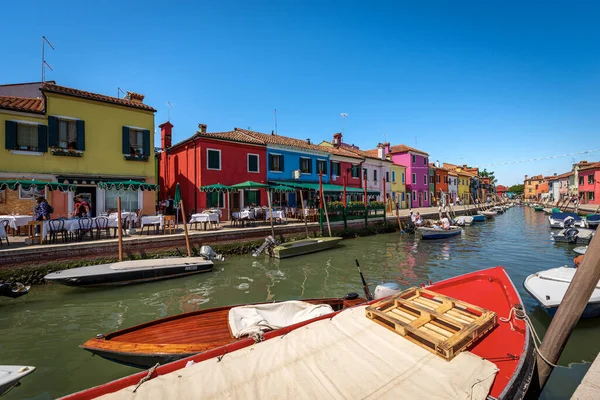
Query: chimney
(166,129)
(202,128)
(135,97)
(337,139)
(308,140)
(381,151)
(525,177)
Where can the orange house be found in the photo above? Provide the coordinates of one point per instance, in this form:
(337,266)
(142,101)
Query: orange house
(531,186)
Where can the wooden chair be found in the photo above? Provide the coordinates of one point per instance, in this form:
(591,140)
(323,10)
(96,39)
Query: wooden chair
(32,228)
(86,225)
(57,227)
(124,224)
(102,225)
(169,224)
(4,224)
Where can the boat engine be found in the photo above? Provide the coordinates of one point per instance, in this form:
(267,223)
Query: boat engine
(571,234)
(410,227)
(568,222)
(13,289)
(269,244)
(386,289)
(209,254)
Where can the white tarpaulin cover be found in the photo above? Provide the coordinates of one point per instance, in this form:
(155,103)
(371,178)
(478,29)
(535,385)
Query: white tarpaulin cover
(345,357)
(247,320)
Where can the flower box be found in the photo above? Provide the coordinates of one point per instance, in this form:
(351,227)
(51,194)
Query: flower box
(59,151)
(136,157)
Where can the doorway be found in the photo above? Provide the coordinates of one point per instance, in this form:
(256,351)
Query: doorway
(420,199)
(88,193)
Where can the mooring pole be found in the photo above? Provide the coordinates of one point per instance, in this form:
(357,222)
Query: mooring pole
(120,228)
(570,309)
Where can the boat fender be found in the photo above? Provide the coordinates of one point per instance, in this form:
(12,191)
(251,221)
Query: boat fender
(351,296)
(386,289)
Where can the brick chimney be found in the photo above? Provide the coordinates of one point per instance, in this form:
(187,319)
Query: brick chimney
(337,139)
(166,131)
(135,97)
(202,128)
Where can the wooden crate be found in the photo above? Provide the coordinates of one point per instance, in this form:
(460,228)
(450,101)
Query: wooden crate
(438,323)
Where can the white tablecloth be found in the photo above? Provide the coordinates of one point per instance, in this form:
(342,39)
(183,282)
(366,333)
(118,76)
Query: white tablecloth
(153,220)
(71,225)
(2,232)
(244,214)
(214,210)
(276,215)
(14,221)
(204,217)
(124,214)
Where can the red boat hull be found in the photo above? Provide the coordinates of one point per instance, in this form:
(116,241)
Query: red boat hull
(510,350)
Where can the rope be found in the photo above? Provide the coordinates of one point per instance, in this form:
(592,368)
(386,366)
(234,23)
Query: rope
(520,314)
(147,377)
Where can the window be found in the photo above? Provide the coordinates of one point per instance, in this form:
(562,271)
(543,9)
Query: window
(530,190)
(322,166)
(253,163)
(375,175)
(414,159)
(393,176)
(425,196)
(445,179)
(136,141)
(414,180)
(335,169)
(590,195)
(355,171)
(276,162)
(581,180)
(129,199)
(414,195)
(27,137)
(252,197)
(425,179)
(430,178)
(424,160)
(305,165)
(67,134)
(215,199)
(403,177)
(438,177)
(365,175)
(387,176)
(402,196)
(213,159)
(590,179)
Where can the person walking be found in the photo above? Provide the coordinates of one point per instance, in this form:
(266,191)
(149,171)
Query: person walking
(42,209)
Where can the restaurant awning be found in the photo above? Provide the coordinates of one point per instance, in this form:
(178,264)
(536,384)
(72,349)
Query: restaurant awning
(327,187)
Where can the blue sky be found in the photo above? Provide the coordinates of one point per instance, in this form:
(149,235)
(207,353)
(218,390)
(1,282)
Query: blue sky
(478,82)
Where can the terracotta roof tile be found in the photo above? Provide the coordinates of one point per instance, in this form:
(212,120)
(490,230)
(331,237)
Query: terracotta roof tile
(565,175)
(402,148)
(341,152)
(22,104)
(52,88)
(280,140)
(235,136)
(592,165)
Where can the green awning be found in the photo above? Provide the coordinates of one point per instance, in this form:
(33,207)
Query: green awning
(40,185)
(281,189)
(128,185)
(249,185)
(217,187)
(327,187)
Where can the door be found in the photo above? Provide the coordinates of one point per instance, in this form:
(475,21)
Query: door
(420,199)
(88,193)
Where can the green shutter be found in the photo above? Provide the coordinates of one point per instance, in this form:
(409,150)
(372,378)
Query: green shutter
(281,163)
(42,138)
(52,131)
(80,135)
(146,139)
(126,146)
(10,135)
(258,198)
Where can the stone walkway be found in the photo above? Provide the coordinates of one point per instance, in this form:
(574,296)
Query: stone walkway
(589,388)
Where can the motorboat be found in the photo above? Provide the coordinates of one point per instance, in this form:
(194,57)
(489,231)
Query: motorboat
(549,287)
(311,357)
(179,336)
(439,233)
(498,209)
(478,218)
(592,220)
(580,249)
(463,220)
(573,235)
(13,289)
(136,271)
(296,247)
(488,214)
(548,210)
(10,376)
(557,220)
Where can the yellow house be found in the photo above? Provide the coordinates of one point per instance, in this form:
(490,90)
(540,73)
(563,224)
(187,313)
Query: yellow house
(398,180)
(55,133)
(464,184)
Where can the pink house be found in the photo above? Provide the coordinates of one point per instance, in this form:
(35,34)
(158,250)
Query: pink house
(417,173)
(589,183)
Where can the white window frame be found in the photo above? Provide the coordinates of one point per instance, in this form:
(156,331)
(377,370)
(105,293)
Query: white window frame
(424,196)
(414,196)
(269,166)
(257,163)
(208,158)
(414,178)
(425,179)
(424,160)
(393,176)
(310,169)
(326,166)
(357,166)
(375,175)
(414,159)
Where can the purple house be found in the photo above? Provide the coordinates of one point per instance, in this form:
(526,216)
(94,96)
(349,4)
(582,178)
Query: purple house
(417,173)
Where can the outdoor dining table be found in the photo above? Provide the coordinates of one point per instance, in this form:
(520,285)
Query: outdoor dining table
(277,214)
(15,221)
(205,218)
(71,226)
(153,220)
(124,214)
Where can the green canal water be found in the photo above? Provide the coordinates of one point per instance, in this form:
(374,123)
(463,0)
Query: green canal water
(45,327)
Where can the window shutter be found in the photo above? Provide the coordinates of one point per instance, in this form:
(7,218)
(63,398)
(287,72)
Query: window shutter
(10,135)
(80,135)
(281,162)
(42,138)
(126,146)
(146,134)
(270,162)
(52,131)
(258,197)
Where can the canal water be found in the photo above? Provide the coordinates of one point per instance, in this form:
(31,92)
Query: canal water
(45,328)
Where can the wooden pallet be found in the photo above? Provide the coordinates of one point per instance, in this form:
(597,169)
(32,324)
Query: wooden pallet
(438,323)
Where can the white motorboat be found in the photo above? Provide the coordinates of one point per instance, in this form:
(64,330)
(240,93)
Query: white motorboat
(463,220)
(488,214)
(438,233)
(10,375)
(580,249)
(549,287)
(558,219)
(573,235)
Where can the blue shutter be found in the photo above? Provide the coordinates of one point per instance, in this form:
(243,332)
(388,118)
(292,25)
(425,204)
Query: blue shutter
(10,135)
(80,135)
(42,138)
(126,146)
(281,163)
(146,139)
(52,131)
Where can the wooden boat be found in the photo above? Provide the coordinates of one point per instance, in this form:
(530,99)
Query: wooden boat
(538,208)
(557,220)
(10,375)
(129,272)
(479,218)
(508,346)
(573,235)
(488,214)
(549,287)
(179,336)
(464,220)
(304,246)
(13,289)
(433,233)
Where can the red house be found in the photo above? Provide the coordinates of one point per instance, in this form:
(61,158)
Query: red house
(501,189)
(345,164)
(210,158)
(589,185)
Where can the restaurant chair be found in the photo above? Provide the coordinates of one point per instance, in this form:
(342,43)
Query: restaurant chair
(4,224)
(86,225)
(124,224)
(57,227)
(102,225)
(32,228)
(169,224)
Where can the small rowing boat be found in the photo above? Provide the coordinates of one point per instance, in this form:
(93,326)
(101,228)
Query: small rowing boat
(304,246)
(479,218)
(13,289)
(463,220)
(438,233)
(10,375)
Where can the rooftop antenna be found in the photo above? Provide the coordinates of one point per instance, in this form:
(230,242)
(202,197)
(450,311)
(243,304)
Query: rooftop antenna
(44,63)
(416,143)
(343,115)
(385,138)
(170,106)
(275,114)
(119,91)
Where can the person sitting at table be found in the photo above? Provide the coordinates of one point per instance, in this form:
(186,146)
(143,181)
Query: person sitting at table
(42,209)
(81,207)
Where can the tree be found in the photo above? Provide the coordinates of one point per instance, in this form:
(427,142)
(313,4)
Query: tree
(486,174)
(517,189)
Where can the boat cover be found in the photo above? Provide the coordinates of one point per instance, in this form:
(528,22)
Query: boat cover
(344,357)
(247,320)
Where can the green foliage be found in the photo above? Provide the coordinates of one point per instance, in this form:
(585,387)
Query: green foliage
(486,174)
(517,189)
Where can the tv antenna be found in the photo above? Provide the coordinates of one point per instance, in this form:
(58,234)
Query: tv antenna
(170,107)
(44,63)
(343,115)
(275,115)
(119,91)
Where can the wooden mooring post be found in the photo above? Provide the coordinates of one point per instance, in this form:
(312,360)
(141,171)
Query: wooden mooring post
(569,311)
